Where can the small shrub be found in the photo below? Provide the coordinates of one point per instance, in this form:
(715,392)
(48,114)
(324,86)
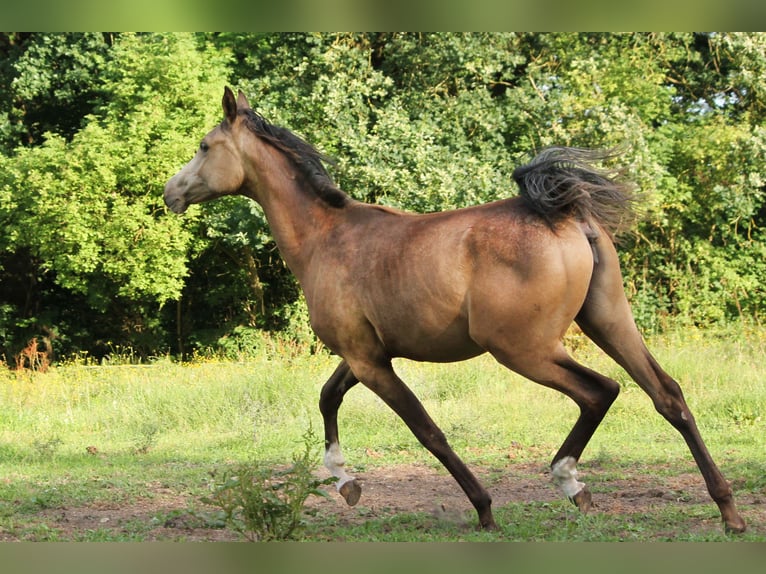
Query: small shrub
(146,437)
(46,448)
(265,504)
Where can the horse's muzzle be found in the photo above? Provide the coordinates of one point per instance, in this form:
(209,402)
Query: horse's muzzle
(174,200)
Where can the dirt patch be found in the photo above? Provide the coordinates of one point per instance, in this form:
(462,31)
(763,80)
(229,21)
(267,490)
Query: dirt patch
(420,488)
(388,491)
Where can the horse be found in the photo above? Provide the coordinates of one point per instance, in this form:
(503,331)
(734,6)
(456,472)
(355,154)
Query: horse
(507,278)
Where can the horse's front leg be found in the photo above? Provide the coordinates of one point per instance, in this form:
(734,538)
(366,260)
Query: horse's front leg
(381,379)
(330,400)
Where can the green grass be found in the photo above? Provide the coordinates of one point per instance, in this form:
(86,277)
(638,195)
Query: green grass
(528,522)
(105,436)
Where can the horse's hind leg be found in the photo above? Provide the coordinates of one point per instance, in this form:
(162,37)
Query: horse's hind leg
(593,394)
(628,349)
(607,319)
(330,400)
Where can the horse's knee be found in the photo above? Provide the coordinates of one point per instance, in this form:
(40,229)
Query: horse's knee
(331,395)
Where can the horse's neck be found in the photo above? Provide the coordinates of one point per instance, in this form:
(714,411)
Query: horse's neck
(297,218)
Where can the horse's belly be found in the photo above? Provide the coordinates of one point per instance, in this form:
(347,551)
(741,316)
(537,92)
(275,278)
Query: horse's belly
(443,345)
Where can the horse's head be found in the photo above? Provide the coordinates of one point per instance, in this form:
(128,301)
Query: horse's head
(216,168)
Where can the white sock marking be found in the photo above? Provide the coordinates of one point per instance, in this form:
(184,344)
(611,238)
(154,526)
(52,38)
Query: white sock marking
(335,463)
(564,473)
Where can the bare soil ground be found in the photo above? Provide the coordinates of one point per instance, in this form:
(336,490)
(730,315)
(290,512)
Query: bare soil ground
(393,490)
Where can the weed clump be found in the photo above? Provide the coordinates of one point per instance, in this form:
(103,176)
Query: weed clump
(267,504)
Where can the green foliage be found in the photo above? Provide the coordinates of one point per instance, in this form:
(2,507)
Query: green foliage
(264,504)
(95,124)
(47,80)
(83,218)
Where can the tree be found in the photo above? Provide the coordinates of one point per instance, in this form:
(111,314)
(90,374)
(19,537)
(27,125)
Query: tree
(48,82)
(96,123)
(83,219)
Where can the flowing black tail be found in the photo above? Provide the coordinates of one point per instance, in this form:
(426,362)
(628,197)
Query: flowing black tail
(561,182)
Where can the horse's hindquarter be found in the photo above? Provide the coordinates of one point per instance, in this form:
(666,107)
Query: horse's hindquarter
(528,284)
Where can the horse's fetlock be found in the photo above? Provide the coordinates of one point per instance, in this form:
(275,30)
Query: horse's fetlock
(564,472)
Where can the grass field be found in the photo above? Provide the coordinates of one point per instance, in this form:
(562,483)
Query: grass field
(128,452)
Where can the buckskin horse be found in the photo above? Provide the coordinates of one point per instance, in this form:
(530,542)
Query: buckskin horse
(507,277)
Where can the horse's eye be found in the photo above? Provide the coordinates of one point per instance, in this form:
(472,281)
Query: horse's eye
(203,147)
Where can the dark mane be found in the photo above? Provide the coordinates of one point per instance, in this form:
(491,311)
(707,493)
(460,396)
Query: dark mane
(305,156)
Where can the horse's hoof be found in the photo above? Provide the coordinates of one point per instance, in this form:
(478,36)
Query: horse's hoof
(735,527)
(351,491)
(582,500)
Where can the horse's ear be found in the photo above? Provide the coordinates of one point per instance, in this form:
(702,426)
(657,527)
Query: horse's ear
(242,103)
(229,105)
